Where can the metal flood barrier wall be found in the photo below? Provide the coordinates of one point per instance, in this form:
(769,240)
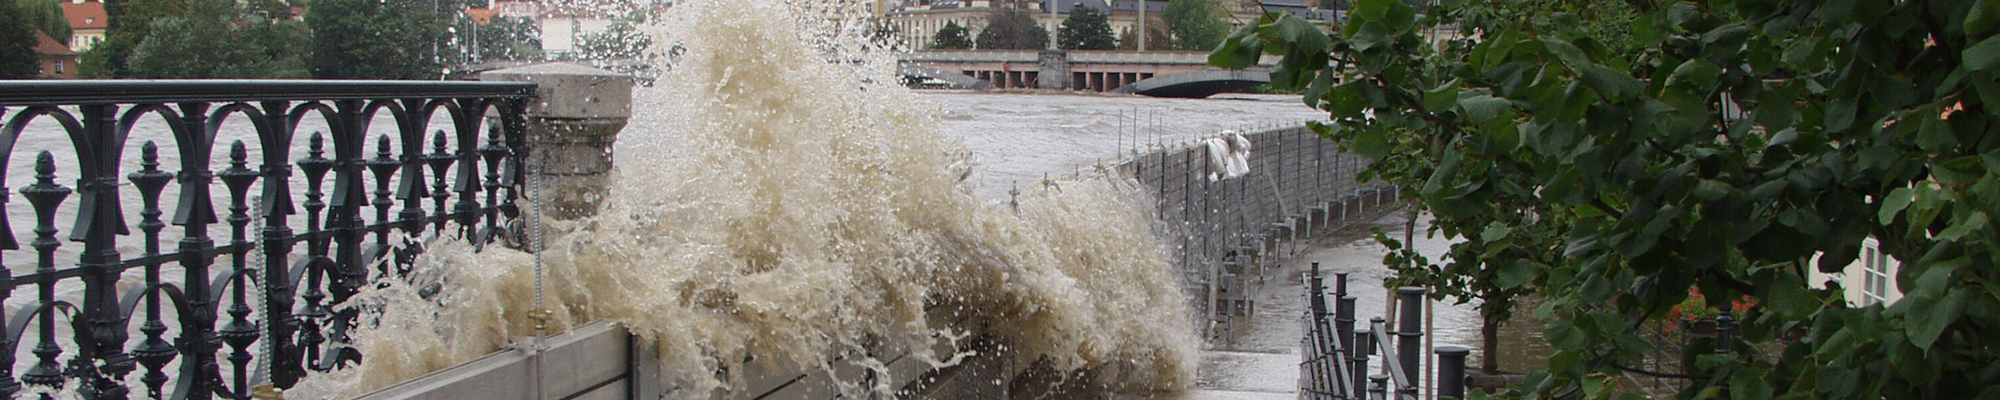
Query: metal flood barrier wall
(1225,231)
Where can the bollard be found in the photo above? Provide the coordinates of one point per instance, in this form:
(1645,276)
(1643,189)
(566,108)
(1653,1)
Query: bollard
(1409,337)
(1378,386)
(1343,319)
(1363,346)
(571,128)
(1451,371)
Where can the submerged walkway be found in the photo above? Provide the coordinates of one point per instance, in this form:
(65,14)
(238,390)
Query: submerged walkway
(1260,359)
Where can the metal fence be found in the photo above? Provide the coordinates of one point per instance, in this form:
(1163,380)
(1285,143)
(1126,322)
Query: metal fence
(1227,230)
(1335,355)
(456,183)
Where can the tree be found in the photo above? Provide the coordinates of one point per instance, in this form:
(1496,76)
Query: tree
(1611,178)
(508,38)
(46,16)
(1195,24)
(1012,29)
(621,40)
(130,22)
(231,45)
(1085,29)
(17,44)
(371,39)
(1157,36)
(951,36)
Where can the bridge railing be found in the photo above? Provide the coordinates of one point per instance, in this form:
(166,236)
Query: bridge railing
(1335,356)
(227,289)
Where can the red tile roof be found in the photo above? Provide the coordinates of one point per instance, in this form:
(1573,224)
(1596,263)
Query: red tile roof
(49,46)
(87,15)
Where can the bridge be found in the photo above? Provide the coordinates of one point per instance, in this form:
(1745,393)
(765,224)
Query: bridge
(1151,73)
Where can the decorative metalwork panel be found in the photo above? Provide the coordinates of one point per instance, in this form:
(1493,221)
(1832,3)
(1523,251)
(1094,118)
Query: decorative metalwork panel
(360,198)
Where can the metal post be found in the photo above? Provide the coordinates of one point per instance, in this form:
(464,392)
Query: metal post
(1364,345)
(1409,342)
(1451,371)
(1725,327)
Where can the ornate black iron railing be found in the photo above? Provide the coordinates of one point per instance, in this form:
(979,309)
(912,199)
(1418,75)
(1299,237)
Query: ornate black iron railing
(300,272)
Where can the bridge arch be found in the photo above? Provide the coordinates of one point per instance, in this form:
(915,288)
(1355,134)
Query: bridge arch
(1198,84)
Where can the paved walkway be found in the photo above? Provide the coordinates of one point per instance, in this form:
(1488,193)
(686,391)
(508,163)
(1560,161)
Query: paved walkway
(1260,359)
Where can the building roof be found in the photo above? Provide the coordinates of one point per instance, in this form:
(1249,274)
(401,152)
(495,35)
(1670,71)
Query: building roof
(85,15)
(48,46)
(1064,6)
(1128,6)
(481,16)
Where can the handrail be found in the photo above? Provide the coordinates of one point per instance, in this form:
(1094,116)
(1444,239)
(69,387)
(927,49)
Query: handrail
(1396,377)
(345,192)
(67,92)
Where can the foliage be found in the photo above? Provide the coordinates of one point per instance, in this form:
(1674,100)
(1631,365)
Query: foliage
(1609,179)
(1157,36)
(1086,28)
(373,39)
(17,45)
(508,38)
(1012,29)
(619,41)
(130,22)
(46,16)
(951,36)
(1195,24)
(230,45)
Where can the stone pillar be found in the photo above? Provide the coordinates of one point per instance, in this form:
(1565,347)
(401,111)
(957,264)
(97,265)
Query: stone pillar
(571,129)
(1055,70)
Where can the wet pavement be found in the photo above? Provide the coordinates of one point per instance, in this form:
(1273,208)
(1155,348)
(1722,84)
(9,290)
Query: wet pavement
(1259,357)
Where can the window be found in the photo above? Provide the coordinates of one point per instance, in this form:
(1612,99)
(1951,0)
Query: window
(59,66)
(1875,275)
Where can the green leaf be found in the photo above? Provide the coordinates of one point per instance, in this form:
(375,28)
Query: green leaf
(1515,273)
(1611,83)
(1927,318)
(1982,56)
(1894,203)
(1964,226)
(1372,143)
(1694,72)
(1240,50)
(1935,134)
(1442,97)
(1711,190)
(1959,170)
(1789,297)
(1496,232)
(1479,108)
(1982,18)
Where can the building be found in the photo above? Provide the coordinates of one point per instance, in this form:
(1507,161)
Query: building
(916,21)
(1869,280)
(58,61)
(87,22)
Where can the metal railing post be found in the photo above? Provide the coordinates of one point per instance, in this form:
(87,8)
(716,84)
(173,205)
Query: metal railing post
(1451,371)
